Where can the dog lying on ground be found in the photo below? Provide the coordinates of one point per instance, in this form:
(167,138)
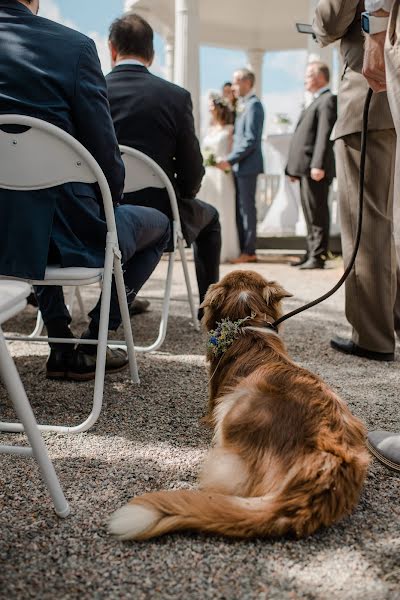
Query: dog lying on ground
(288,456)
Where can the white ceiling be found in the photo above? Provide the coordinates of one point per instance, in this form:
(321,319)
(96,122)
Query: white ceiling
(245,24)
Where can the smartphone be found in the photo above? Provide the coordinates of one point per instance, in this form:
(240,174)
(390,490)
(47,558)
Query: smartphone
(304,28)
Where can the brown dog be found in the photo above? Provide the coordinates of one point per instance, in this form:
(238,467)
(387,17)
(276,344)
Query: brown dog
(289,457)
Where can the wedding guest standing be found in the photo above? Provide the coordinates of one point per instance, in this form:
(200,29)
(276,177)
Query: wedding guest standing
(246,160)
(371,288)
(218,186)
(155,117)
(311,161)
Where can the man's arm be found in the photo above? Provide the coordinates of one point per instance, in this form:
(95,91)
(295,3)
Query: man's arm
(326,119)
(92,118)
(253,124)
(333,18)
(189,167)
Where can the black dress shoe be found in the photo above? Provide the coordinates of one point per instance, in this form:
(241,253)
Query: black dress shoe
(349,347)
(79,365)
(313,263)
(138,306)
(301,261)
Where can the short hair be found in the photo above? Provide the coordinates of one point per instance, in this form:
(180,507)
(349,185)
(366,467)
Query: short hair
(321,68)
(227,83)
(247,74)
(131,34)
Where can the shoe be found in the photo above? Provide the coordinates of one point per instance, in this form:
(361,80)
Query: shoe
(244,258)
(80,366)
(385,445)
(313,263)
(349,347)
(301,261)
(138,306)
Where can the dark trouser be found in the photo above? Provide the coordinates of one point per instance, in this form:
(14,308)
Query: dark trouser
(143,235)
(207,252)
(246,214)
(314,200)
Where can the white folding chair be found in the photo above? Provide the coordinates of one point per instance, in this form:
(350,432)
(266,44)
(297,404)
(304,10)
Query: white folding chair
(142,172)
(12,300)
(45,156)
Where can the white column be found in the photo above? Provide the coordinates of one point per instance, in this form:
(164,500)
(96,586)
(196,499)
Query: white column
(186,68)
(255,59)
(169,56)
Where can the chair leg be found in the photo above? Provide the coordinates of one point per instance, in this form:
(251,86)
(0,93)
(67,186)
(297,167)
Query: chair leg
(126,321)
(13,384)
(162,331)
(188,285)
(38,327)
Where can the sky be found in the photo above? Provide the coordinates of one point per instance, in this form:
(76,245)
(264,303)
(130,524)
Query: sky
(282,71)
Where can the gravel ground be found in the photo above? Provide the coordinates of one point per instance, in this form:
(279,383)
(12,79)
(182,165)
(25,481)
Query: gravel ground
(151,437)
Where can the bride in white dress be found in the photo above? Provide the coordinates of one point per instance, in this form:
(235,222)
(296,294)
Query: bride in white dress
(218,187)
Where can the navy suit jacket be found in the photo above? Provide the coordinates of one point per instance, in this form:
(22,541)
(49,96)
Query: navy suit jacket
(246,156)
(53,73)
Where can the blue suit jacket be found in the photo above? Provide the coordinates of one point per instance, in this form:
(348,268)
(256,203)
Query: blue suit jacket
(53,73)
(246,156)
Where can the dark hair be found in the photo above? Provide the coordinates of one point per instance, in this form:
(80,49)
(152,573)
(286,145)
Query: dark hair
(227,83)
(224,113)
(131,34)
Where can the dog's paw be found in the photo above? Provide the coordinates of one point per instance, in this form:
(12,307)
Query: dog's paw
(132,521)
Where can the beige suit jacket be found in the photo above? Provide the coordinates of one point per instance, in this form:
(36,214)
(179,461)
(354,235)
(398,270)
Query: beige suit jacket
(341,19)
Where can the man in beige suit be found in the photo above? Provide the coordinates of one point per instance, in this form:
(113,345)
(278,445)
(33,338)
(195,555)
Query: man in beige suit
(372,285)
(382,69)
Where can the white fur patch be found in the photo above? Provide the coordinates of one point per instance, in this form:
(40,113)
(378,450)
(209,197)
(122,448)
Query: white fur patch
(243,296)
(221,410)
(130,521)
(224,472)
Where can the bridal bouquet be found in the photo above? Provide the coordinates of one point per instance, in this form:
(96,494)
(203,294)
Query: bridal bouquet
(209,158)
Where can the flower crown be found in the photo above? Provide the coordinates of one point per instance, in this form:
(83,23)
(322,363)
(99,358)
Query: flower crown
(227,331)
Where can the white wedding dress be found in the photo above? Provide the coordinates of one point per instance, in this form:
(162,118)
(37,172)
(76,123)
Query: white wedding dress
(218,189)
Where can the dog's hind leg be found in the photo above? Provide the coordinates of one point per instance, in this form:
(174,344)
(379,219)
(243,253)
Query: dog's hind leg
(224,472)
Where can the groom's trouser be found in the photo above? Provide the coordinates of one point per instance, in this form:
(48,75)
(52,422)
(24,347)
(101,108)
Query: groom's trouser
(143,234)
(246,214)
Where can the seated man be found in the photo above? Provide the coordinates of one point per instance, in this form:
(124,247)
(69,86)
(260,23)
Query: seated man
(53,73)
(155,117)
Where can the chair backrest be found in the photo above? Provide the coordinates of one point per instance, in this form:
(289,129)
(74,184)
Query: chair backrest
(42,155)
(142,172)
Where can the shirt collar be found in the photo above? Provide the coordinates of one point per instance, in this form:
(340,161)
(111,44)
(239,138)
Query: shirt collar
(248,95)
(321,91)
(130,61)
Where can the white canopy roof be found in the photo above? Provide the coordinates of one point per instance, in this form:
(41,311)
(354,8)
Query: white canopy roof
(262,24)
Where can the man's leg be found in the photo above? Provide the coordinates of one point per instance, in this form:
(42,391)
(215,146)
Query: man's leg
(371,286)
(239,220)
(207,252)
(304,192)
(316,200)
(246,185)
(143,235)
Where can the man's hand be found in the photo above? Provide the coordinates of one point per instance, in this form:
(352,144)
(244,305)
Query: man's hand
(374,61)
(223,165)
(293,179)
(317,174)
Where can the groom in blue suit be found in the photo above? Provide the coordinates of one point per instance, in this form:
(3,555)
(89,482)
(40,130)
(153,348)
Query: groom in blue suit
(246,161)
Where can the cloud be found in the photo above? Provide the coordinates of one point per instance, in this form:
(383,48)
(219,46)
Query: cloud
(50,10)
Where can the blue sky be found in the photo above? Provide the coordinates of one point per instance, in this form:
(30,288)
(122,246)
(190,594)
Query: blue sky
(282,72)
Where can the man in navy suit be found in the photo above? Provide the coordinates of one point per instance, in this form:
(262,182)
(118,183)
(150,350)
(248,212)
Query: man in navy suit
(246,160)
(155,117)
(53,73)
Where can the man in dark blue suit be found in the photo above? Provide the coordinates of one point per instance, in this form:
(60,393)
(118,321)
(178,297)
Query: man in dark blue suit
(246,161)
(53,73)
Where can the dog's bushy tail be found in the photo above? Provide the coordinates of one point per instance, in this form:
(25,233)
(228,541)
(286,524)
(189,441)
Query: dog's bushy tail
(317,494)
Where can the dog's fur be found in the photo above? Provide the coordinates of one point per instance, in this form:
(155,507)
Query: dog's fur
(288,457)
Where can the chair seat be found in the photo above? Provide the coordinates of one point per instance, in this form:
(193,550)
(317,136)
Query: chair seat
(12,293)
(72,274)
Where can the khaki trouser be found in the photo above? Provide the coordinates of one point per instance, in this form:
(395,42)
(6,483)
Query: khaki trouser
(392,57)
(372,284)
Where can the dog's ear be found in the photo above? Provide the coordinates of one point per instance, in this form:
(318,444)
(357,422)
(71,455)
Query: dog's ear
(273,292)
(214,296)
